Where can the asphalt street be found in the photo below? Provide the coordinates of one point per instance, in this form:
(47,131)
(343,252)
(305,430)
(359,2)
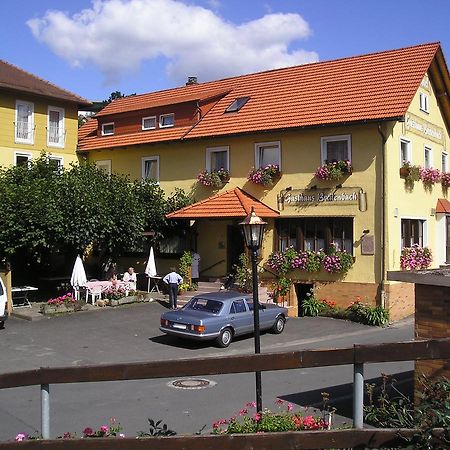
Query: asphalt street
(130,333)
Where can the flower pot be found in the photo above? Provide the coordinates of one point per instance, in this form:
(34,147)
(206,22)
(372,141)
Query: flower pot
(404,172)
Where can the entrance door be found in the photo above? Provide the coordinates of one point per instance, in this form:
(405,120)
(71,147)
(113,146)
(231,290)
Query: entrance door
(235,246)
(447,253)
(302,289)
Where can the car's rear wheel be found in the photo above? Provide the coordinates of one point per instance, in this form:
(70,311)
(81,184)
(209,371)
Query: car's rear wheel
(278,326)
(225,338)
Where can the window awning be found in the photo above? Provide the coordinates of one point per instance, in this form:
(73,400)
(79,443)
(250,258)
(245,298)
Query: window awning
(443,206)
(232,203)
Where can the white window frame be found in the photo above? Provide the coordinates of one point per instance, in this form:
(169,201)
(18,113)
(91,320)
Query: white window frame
(103,164)
(260,145)
(61,128)
(161,119)
(406,141)
(444,161)
(60,159)
(27,155)
(342,137)
(426,149)
(147,118)
(103,129)
(211,150)
(30,131)
(424,102)
(425,229)
(150,158)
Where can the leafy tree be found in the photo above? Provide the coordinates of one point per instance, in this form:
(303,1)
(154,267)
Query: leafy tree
(49,210)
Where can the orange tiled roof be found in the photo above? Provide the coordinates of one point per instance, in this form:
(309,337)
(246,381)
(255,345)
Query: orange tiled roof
(232,203)
(377,86)
(161,98)
(443,206)
(12,77)
(88,128)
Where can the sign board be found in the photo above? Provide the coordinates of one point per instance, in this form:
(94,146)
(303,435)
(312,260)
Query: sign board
(337,196)
(424,128)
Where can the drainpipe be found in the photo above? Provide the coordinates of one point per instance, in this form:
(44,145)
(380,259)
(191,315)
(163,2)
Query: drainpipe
(383,216)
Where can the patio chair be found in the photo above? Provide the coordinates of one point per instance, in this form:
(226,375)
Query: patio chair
(95,293)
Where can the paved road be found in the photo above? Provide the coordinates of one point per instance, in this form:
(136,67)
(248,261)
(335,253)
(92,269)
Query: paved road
(131,334)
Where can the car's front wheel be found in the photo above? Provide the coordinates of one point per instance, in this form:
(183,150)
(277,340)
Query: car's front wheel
(225,338)
(278,326)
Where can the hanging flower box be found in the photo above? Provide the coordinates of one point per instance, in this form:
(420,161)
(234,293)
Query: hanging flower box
(430,176)
(215,178)
(335,170)
(445,180)
(264,176)
(415,258)
(409,172)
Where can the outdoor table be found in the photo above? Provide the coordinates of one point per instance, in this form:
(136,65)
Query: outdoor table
(21,293)
(156,282)
(104,285)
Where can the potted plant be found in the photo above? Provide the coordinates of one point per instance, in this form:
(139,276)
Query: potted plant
(264,175)
(215,178)
(281,289)
(409,172)
(334,170)
(445,180)
(415,258)
(429,175)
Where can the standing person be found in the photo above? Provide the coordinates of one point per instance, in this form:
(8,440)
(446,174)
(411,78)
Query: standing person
(130,277)
(195,267)
(173,279)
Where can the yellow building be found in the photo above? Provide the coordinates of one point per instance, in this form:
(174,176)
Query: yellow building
(36,116)
(335,134)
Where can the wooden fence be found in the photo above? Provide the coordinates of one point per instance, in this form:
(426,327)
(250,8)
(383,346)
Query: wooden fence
(357,355)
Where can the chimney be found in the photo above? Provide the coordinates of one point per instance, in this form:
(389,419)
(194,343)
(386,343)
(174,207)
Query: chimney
(191,80)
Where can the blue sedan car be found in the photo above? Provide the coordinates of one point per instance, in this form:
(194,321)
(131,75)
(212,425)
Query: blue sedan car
(220,316)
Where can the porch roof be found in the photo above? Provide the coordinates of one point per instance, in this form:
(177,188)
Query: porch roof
(232,203)
(443,206)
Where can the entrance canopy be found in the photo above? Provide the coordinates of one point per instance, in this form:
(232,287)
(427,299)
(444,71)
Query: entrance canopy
(232,203)
(443,206)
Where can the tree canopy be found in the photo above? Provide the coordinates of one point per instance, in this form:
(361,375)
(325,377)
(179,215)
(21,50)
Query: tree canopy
(48,209)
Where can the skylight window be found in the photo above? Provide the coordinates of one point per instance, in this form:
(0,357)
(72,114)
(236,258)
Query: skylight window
(237,104)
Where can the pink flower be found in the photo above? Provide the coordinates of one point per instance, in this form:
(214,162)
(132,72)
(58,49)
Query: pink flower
(290,407)
(279,401)
(243,411)
(257,417)
(88,431)
(104,429)
(21,437)
(251,405)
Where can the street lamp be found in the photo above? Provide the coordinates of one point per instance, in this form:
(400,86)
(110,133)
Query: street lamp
(253,231)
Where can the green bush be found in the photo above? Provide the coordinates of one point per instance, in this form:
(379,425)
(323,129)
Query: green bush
(312,306)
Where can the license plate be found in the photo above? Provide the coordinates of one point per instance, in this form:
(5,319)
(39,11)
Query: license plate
(180,326)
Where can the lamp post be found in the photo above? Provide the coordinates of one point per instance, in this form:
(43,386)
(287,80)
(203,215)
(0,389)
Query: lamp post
(253,231)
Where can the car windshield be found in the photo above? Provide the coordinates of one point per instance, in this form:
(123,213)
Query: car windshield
(203,304)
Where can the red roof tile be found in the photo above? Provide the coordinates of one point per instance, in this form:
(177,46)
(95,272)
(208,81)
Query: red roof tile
(88,128)
(233,203)
(12,77)
(161,98)
(377,86)
(443,206)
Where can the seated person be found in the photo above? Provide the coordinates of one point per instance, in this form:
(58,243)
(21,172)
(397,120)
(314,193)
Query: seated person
(130,277)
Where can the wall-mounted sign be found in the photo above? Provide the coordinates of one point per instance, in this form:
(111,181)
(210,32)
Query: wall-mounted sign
(338,196)
(425,83)
(424,128)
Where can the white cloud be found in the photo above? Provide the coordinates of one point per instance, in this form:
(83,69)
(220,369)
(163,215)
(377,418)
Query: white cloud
(116,35)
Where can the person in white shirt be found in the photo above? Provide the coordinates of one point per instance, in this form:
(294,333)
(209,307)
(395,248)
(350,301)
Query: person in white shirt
(130,278)
(173,279)
(195,267)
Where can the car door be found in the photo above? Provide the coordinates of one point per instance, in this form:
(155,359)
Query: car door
(241,317)
(266,319)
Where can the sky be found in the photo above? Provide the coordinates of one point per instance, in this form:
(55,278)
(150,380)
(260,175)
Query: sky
(95,47)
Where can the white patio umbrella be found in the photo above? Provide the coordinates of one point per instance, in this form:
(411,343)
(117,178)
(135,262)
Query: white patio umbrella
(78,278)
(150,269)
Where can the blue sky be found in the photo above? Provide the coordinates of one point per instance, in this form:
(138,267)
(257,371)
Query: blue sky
(95,47)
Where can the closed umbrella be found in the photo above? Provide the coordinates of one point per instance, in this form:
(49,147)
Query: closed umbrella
(78,278)
(150,269)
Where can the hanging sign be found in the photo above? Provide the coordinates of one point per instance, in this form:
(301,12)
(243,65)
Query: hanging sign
(338,196)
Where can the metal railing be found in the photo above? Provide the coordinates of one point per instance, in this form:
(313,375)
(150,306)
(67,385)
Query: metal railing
(358,355)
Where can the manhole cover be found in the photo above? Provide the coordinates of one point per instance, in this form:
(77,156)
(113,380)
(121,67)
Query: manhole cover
(191,383)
